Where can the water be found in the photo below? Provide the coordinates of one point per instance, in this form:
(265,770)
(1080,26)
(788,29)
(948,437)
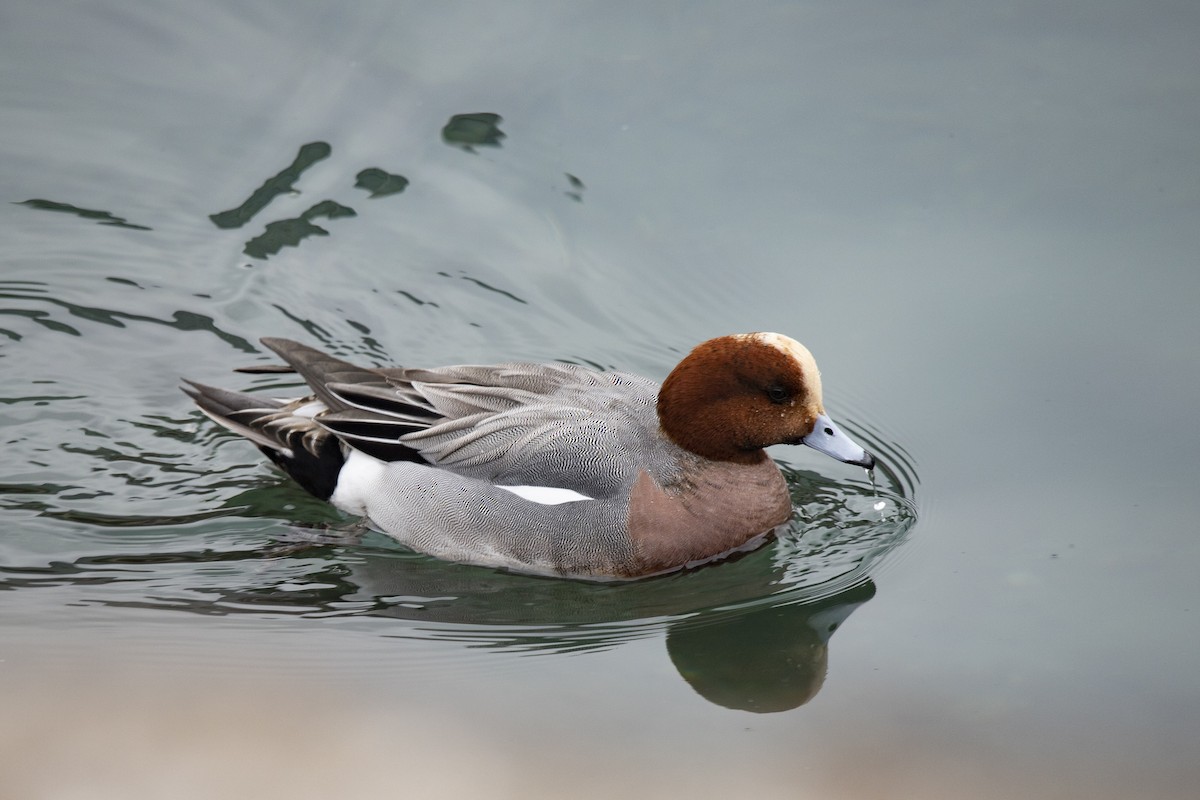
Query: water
(980,219)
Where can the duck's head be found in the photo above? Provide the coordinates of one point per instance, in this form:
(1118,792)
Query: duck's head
(734,395)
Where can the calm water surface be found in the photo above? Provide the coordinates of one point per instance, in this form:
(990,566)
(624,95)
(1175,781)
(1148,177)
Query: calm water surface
(980,219)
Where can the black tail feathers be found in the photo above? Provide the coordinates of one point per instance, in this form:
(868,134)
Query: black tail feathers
(308,453)
(316,472)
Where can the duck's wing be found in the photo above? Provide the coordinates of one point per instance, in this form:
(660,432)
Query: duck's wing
(556,425)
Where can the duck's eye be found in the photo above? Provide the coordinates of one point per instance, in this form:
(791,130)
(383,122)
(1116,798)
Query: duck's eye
(778,394)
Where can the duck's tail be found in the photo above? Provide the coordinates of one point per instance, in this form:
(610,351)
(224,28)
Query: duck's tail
(284,431)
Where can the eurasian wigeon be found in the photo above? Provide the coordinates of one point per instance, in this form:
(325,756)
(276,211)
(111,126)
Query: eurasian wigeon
(551,468)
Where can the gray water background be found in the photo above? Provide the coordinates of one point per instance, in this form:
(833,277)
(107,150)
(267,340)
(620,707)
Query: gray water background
(982,219)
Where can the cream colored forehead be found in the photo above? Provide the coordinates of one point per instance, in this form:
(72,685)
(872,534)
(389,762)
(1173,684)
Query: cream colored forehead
(796,351)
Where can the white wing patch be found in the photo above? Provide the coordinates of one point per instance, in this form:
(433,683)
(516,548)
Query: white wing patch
(546,495)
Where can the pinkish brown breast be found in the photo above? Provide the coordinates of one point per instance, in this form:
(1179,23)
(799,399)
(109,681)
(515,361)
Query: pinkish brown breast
(717,508)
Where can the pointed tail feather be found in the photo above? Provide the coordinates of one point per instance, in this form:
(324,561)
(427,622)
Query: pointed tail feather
(319,369)
(295,443)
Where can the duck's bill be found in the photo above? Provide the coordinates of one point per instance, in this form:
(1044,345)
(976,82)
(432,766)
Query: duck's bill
(827,438)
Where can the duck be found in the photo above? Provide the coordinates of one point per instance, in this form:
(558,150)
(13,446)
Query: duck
(550,468)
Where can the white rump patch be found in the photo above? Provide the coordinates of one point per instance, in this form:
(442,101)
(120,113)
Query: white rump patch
(546,495)
(359,478)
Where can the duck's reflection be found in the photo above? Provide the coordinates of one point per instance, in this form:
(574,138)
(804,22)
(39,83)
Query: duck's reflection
(750,633)
(736,634)
(767,659)
(741,633)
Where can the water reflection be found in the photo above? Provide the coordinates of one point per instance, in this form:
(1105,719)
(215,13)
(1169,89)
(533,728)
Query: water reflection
(380,183)
(766,659)
(577,187)
(103,217)
(737,634)
(463,130)
(292,231)
(31,293)
(749,633)
(482,285)
(283,182)
(469,131)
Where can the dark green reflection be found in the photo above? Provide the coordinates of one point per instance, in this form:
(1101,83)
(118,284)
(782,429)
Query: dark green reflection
(763,650)
(469,131)
(416,300)
(103,217)
(767,659)
(379,182)
(280,183)
(577,187)
(33,293)
(290,232)
(488,286)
